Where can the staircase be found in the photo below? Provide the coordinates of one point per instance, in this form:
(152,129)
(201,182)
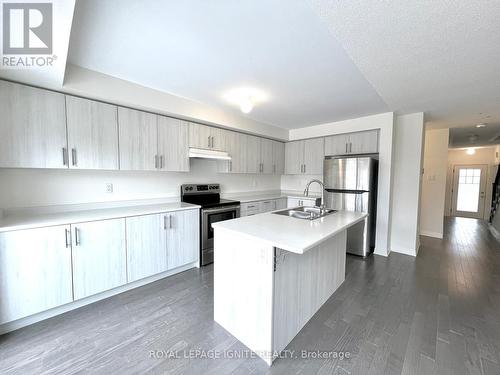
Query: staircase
(495,196)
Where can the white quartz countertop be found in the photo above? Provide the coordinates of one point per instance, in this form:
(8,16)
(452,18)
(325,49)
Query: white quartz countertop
(289,233)
(20,221)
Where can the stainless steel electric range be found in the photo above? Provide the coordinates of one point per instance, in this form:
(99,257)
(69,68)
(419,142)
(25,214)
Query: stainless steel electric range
(213,209)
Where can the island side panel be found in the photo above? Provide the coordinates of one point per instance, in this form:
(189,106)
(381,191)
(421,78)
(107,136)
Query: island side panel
(243,288)
(303,283)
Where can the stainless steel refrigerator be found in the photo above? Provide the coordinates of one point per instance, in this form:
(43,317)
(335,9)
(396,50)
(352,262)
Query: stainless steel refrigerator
(351,184)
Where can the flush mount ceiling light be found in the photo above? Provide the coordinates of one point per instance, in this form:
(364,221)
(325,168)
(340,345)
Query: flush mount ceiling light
(482,125)
(471,151)
(246,98)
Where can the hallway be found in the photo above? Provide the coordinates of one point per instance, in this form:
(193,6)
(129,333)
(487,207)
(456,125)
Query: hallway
(436,314)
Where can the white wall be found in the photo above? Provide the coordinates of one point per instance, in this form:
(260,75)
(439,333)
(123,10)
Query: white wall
(407,167)
(484,155)
(94,85)
(384,122)
(434,182)
(44,187)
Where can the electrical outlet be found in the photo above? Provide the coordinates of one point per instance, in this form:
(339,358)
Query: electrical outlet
(109,187)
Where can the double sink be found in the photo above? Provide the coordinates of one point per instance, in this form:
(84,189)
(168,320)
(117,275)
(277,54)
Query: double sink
(306,213)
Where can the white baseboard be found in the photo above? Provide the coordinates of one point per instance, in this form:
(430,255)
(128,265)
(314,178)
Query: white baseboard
(410,252)
(431,234)
(23,322)
(494,231)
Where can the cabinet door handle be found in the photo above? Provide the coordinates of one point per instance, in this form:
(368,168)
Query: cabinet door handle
(64,155)
(230,165)
(274,168)
(67,235)
(156,161)
(77,236)
(161,161)
(165,222)
(73,157)
(208,144)
(350,147)
(213,138)
(346,148)
(170,221)
(304,168)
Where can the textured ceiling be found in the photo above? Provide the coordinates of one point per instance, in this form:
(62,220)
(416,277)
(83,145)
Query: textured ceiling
(202,49)
(441,57)
(472,136)
(317,60)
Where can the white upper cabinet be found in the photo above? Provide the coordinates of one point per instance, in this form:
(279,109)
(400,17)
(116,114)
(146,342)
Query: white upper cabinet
(294,153)
(365,142)
(304,157)
(99,256)
(266,156)
(173,140)
(313,156)
(199,136)
(337,144)
(218,138)
(92,134)
(278,158)
(253,154)
(138,140)
(236,147)
(206,137)
(32,127)
(35,271)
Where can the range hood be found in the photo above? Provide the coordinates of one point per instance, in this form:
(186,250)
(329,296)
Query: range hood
(208,154)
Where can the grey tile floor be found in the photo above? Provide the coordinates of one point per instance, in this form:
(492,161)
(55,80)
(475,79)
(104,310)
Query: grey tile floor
(438,313)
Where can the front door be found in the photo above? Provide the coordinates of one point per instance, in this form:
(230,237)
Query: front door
(469,184)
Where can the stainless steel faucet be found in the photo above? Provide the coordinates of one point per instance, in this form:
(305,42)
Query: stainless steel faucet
(306,192)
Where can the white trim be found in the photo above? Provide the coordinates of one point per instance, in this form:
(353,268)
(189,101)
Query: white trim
(410,252)
(431,234)
(23,322)
(494,231)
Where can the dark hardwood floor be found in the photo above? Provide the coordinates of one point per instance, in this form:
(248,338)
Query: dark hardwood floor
(438,313)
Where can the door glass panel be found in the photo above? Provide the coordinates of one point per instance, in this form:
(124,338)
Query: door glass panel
(468,189)
(214,218)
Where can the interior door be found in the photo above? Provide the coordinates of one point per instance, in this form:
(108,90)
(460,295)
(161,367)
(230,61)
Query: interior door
(469,190)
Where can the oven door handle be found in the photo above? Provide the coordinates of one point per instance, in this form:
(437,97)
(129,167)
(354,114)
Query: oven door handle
(216,210)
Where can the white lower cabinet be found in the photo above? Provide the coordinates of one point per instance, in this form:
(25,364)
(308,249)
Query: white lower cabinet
(35,271)
(269,205)
(146,246)
(183,241)
(281,203)
(161,242)
(259,207)
(99,256)
(296,202)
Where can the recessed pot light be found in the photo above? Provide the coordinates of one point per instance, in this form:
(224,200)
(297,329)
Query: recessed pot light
(480,125)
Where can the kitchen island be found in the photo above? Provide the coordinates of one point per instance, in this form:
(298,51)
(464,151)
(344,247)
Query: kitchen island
(272,273)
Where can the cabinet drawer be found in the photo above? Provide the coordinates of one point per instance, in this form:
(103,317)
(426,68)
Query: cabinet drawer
(269,205)
(250,208)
